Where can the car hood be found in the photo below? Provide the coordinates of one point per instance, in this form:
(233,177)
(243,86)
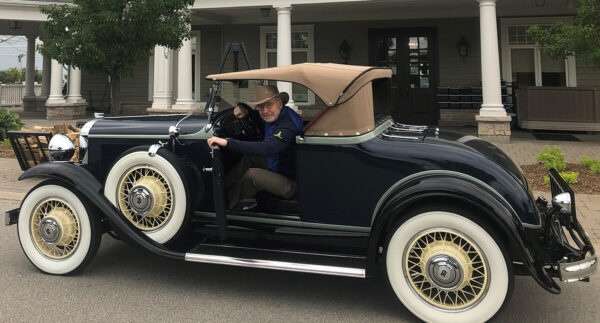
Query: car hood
(482,147)
(154,125)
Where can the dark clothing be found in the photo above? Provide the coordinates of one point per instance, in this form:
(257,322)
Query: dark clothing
(278,145)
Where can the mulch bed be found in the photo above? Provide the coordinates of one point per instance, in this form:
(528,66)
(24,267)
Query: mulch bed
(6,151)
(588,183)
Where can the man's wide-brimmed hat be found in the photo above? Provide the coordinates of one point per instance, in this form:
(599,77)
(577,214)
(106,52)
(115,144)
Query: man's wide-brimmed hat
(266,93)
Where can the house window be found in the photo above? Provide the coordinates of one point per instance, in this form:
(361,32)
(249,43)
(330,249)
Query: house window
(302,52)
(523,63)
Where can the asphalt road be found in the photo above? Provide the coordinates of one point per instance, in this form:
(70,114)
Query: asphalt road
(124,283)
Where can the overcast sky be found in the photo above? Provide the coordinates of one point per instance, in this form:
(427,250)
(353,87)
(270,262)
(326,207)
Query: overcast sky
(10,49)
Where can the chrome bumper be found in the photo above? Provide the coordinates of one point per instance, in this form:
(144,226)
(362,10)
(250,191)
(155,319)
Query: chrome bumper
(578,270)
(11,217)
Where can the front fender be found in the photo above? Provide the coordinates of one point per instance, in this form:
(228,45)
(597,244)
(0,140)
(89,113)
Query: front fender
(467,191)
(85,183)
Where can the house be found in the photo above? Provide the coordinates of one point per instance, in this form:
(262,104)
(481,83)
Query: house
(453,62)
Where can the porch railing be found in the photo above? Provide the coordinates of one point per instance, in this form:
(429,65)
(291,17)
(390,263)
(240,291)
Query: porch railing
(12,94)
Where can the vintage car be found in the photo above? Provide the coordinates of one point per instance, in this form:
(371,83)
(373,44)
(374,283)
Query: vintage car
(449,217)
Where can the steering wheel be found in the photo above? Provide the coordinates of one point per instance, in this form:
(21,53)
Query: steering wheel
(227,125)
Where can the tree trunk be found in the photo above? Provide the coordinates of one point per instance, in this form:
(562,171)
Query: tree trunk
(115,89)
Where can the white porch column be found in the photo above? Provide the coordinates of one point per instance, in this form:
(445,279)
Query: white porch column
(56,84)
(284,46)
(163,73)
(184,77)
(75,86)
(30,68)
(493,123)
(45,77)
(29,100)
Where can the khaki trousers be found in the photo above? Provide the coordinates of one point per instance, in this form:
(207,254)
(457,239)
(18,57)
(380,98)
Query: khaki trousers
(251,176)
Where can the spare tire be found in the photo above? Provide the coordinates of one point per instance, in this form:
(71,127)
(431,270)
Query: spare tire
(150,191)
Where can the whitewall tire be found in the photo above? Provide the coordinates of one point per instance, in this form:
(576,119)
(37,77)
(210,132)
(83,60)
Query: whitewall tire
(446,268)
(56,232)
(150,192)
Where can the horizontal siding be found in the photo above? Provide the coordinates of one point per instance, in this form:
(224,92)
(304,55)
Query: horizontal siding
(453,70)
(587,76)
(134,90)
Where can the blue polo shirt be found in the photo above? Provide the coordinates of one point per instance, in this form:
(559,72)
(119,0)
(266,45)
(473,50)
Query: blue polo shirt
(278,144)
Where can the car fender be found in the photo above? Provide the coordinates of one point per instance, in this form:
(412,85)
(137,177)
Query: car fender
(458,188)
(85,183)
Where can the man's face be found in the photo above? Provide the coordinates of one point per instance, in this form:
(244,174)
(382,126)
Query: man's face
(270,110)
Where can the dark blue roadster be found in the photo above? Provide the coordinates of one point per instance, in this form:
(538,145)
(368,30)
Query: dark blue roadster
(450,217)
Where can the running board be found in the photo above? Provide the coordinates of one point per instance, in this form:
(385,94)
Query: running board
(276,265)
(257,256)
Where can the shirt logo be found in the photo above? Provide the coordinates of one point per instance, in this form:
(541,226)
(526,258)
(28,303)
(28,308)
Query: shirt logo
(278,135)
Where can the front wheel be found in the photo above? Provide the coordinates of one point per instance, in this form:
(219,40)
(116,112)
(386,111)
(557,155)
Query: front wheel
(56,231)
(446,268)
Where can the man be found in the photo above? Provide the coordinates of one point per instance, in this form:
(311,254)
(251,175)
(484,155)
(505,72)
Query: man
(268,165)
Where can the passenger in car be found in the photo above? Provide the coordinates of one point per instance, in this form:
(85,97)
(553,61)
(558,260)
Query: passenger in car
(268,165)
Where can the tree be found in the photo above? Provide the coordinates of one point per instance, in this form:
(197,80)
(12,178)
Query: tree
(111,36)
(12,75)
(582,37)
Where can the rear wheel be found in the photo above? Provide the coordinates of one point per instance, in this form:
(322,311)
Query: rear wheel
(150,191)
(56,232)
(446,267)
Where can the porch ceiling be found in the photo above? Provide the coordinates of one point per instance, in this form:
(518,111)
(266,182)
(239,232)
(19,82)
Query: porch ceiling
(376,10)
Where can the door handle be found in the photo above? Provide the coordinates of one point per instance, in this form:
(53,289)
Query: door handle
(207,169)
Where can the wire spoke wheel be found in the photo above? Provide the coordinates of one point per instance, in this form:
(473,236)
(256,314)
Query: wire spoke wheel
(446,269)
(55,228)
(145,197)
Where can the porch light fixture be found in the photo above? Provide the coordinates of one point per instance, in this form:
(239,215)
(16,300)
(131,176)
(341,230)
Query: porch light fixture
(15,24)
(540,3)
(345,51)
(463,47)
(265,12)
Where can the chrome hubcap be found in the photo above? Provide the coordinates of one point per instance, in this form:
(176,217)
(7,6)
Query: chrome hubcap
(141,200)
(444,272)
(50,230)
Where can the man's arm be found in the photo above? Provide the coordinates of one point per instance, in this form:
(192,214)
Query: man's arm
(279,140)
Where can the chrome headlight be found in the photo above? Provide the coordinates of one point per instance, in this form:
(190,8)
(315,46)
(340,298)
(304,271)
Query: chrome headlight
(563,200)
(61,148)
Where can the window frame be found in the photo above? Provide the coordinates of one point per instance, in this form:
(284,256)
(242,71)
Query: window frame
(505,23)
(310,52)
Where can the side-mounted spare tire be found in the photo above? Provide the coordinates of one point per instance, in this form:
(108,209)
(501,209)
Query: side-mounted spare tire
(151,192)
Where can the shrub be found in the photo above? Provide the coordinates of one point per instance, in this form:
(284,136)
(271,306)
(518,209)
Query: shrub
(569,177)
(8,121)
(593,164)
(552,158)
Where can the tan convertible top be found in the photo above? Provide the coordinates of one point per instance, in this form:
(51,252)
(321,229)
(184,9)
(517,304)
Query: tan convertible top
(340,86)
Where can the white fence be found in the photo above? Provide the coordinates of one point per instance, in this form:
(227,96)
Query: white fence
(12,94)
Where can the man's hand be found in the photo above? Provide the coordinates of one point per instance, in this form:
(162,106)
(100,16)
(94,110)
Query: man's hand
(239,112)
(216,141)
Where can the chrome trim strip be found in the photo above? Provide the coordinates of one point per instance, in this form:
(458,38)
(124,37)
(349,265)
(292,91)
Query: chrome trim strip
(292,223)
(444,172)
(276,265)
(130,136)
(85,130)
(321,140)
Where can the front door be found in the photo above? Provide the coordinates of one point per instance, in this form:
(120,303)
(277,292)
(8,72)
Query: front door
(412,56)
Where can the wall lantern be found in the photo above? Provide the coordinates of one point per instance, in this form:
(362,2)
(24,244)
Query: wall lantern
(540,3)
(15,24)
(265,12)
(463,47)
(345,51)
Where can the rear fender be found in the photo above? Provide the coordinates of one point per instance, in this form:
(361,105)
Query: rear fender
(458,189)
(85,183)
